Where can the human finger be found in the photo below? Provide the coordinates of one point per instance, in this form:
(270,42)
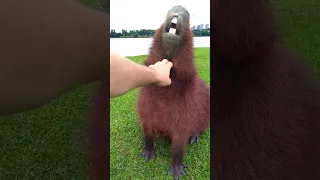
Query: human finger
(158,62)
(165,61)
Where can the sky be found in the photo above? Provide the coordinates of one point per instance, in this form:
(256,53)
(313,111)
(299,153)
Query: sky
(147,14)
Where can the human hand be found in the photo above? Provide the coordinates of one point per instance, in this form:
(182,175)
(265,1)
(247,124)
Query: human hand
(162,69)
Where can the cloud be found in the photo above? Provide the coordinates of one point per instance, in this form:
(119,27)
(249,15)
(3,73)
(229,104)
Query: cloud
(146,14)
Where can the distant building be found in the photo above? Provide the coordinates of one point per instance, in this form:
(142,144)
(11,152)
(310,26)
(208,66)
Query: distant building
(201,26)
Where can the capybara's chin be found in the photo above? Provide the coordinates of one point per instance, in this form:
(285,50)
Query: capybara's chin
(171,43)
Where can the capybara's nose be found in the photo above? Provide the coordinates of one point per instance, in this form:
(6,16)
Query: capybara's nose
(175,14)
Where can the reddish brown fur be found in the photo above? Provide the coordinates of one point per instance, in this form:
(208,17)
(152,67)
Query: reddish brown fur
(266,107)
(182,109)
(99,133)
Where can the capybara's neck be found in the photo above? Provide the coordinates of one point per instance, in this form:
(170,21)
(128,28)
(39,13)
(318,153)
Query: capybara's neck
(241,30)
(182,58)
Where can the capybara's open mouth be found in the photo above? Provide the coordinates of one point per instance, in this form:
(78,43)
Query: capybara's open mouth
(176,20)
(172,26)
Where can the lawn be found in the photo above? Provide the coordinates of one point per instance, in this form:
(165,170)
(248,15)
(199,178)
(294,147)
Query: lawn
(126,138)
(299,24)
(47,143)
(102,5)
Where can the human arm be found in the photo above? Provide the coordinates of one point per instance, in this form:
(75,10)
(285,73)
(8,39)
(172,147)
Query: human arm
(126,75)
(48,47)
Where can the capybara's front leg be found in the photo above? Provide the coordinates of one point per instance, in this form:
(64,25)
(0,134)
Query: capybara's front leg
(178,148)
(148,151)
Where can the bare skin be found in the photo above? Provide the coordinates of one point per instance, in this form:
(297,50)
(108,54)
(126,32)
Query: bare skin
(126,75)
(44,54)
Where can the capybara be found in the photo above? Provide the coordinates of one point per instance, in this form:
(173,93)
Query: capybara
(180,111)
(266,102)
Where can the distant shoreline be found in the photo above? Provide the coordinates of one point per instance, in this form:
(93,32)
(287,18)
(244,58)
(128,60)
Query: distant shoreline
(146,37)
(148,33)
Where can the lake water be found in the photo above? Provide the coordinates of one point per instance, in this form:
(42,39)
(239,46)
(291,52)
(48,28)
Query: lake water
(140,46)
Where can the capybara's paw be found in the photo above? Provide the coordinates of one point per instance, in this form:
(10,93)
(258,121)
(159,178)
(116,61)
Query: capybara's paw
(194,139)
(148,154)
(177,171)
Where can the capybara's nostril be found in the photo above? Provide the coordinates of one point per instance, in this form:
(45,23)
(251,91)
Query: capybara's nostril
(175,14)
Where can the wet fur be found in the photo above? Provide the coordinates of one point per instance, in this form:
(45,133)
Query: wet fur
(180,110)
(266,107)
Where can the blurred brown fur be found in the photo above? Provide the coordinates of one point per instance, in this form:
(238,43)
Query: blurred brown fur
(266,101)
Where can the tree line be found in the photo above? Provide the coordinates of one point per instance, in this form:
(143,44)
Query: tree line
(147,33)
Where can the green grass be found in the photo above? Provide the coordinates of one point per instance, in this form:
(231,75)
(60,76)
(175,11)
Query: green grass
(101,5)
(298,22)
(126,138)
(47,143)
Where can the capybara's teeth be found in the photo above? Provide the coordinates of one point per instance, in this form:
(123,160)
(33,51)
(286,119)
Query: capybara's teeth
(174,20)
(172,30)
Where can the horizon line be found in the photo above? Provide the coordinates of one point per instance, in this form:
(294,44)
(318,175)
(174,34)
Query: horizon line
(144,28)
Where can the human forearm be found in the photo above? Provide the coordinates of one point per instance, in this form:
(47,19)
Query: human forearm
(126,75)
(46,48)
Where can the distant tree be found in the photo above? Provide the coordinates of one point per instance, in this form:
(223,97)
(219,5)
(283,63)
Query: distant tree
(124,32)
(113,33)
(136,34)
(144,33)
